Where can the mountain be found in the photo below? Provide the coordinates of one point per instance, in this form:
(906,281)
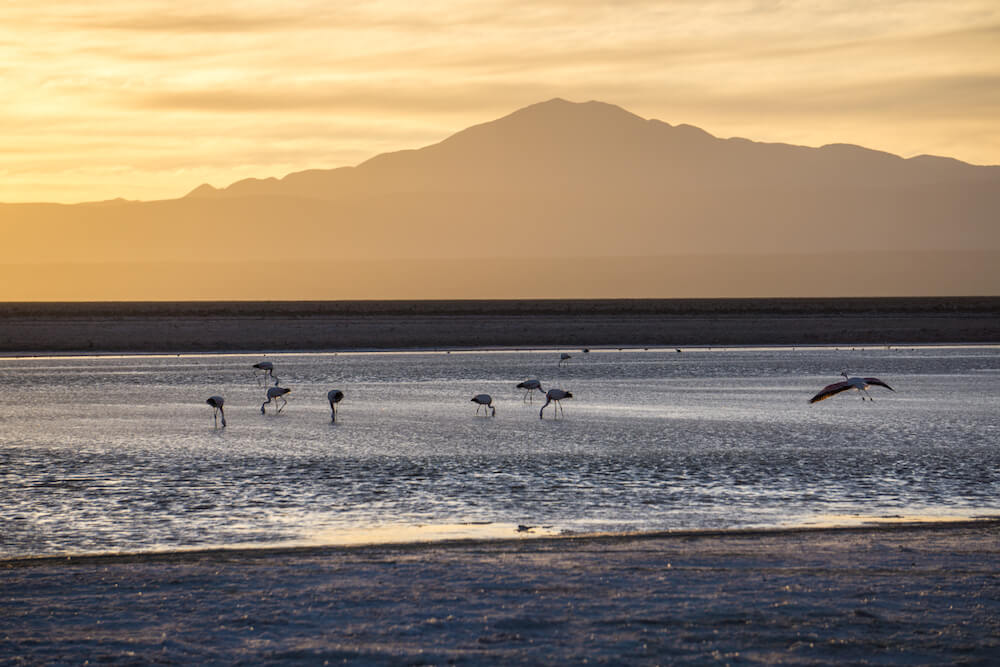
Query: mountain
(581,187)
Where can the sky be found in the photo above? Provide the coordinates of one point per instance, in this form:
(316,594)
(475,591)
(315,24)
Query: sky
(147,100)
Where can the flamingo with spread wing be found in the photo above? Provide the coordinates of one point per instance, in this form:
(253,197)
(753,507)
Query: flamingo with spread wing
(848,384)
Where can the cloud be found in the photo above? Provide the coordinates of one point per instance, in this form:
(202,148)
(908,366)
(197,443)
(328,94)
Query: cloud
(402,98)
(210,23)
(933,96)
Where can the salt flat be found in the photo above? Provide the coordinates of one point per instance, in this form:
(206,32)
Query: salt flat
(886,594)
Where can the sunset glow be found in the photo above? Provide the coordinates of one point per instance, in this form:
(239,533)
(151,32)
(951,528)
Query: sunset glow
(149,100)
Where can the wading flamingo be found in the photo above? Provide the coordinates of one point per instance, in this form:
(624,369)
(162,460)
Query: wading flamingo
(554,396)
(275,394)
(217,402)
(334,396)
(268,370)
(847,384)
(529,387)
(484,401)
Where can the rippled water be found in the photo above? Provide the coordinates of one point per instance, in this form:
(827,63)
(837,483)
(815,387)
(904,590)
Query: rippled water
(119,453)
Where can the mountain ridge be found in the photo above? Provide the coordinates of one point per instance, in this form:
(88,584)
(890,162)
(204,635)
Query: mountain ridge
(554,181)
(540,125)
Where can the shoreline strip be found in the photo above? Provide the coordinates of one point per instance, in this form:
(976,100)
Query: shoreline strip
(228,553)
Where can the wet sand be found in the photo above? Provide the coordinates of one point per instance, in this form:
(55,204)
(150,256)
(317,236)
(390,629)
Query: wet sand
(913,594)
(31,328)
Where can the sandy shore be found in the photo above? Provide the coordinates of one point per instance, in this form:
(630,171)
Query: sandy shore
(27,328)
(914,594)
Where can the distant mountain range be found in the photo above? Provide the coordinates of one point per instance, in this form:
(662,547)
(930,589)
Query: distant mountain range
(619,205)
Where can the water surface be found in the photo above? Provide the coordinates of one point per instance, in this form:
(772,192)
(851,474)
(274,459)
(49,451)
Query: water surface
(119,453)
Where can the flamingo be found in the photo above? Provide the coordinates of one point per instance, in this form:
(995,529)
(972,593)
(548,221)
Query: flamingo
(564,357)
(268,369)
(334,396)
(848,383)
(274,394)
(484,400)
(554,396)
(529,386)
(217,402)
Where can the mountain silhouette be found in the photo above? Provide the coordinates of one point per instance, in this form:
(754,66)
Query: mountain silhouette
(578,187)
(559,145)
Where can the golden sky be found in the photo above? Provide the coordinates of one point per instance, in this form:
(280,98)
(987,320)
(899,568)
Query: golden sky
(147,100)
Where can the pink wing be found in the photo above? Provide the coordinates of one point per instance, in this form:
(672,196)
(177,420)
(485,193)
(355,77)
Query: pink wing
(830,390)
(879,383)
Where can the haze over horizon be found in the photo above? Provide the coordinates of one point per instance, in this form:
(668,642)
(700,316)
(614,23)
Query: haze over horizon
(146,102)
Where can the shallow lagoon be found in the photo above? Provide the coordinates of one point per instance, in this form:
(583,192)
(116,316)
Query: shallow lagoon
(119,453)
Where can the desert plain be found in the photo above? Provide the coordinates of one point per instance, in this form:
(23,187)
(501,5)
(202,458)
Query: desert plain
(212,326)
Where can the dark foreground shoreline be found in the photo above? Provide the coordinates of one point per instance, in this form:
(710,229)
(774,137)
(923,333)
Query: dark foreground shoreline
(27,328)
(912,593)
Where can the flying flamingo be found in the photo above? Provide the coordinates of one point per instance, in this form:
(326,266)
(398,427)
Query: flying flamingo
(275,394)
(848,383)
(484,400)
(268,369)
(334,396)
(554,396)
(529,386)
(217,402)
(564,357)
